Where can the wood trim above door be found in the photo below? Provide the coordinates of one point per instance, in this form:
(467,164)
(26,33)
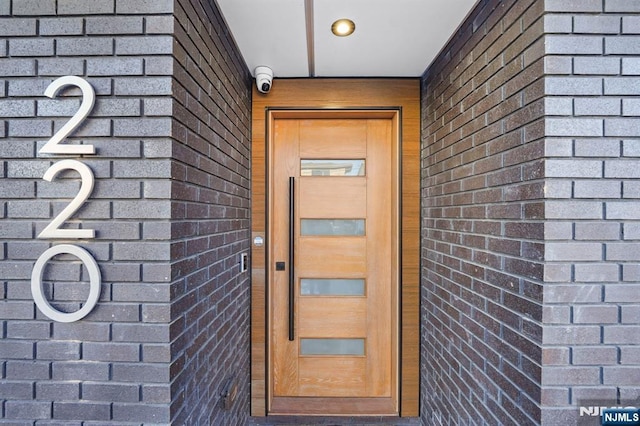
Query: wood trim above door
(352,96)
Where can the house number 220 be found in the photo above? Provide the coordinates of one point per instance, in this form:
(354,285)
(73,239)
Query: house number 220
(54,230)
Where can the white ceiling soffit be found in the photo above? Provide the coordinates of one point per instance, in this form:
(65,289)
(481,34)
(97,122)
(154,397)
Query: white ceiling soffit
(393,38)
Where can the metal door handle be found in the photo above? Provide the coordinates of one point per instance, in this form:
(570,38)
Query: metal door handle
(292,236)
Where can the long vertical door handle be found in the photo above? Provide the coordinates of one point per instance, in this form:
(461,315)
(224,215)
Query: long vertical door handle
(292,237)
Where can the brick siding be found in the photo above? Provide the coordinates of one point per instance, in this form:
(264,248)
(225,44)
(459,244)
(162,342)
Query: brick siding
(591,273)
(530,136)
(172,299)
(113,366)
(531,230)
(483,229)
(211,228)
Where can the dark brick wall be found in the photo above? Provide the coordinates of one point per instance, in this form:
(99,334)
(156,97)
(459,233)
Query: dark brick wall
(112,366)
(530,194)
(530,188)
(592,290)
(210,210)
(169,207)
(483,228)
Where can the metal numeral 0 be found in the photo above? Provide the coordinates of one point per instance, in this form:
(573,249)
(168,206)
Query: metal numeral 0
(94,283)
(53,230)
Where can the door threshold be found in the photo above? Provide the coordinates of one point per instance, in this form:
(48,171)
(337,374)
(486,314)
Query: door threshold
(345,406)
(334,421)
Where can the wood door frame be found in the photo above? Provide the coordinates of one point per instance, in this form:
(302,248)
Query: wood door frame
(344,95)
(379,406)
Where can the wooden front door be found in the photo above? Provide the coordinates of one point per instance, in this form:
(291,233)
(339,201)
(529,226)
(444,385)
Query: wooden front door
(334,263)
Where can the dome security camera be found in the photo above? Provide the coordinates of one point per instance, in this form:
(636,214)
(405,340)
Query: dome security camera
(264,79)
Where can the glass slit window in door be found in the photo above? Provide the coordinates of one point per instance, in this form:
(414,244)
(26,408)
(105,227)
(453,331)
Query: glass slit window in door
(332,287)
(332,227)
(353,347)
(331,167)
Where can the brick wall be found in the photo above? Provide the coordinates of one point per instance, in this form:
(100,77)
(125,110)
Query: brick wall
(483,211)
(211,228)
(111,366)
(519,98)
(140,355)
(592,291)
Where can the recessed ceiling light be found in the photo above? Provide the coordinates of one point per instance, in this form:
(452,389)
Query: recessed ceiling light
(343,27)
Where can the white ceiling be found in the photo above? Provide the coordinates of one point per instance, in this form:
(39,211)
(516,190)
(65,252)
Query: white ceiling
(393,38)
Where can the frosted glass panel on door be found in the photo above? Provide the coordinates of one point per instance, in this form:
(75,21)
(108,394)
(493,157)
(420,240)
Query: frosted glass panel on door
(332,227)
(332,167)
(331,287)
(332,347)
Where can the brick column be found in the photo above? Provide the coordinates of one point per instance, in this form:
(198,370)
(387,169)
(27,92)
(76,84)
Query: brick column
(592,296)
(169,209)
(531,141)
(113,365)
